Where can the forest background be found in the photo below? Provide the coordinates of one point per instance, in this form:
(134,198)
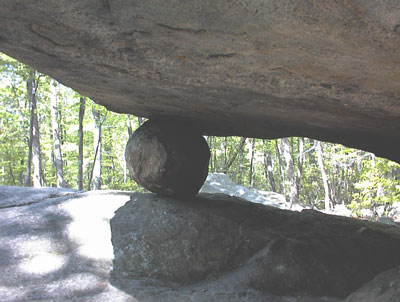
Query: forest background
(52,136)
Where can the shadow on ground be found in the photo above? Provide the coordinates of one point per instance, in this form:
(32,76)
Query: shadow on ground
(58,248)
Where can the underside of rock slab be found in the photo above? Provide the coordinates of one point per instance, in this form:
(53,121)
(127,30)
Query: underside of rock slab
(217,242)
(323,69)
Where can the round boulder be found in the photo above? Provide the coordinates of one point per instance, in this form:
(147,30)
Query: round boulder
(168,158)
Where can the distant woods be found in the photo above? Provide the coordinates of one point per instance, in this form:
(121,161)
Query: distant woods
(308,171)
(52,136)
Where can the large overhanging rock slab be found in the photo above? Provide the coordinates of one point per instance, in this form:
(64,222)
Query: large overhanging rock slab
(322,69)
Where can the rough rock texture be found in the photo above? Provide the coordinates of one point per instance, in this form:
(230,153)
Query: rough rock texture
(58,248)
(55,245)
(236,247)
(168,158)
(323,69)
(383,288)
(13,196)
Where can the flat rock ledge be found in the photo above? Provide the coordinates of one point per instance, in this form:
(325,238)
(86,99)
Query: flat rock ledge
(56,246)
(213,247)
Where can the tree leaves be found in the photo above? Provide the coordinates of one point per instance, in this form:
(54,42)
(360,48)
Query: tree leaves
(356,178)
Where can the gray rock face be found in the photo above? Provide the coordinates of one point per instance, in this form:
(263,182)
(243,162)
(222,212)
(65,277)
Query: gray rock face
(172,244)
(55,245)
(383,288)
(13,196)
(168,158)
(327,70)
(221,242)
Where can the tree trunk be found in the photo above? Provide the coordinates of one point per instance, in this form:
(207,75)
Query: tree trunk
(225,153)
(251,174)
(289,171)
(334,177)
(96,171)
(240,180)
(34,139)
(80,136)
(11,173)
(269,168)
(123,161)
(215,155)
(129,125)
(234,154)
(56,134)
(318,148)
(209,142)
(30,91)
(300,162)
(281,168)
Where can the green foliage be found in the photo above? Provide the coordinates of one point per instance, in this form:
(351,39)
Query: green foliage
(14,127)
(14,121)
(356,178)
(378,184)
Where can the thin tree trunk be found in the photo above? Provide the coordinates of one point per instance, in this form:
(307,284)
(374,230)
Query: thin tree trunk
(240,180)
(215,155)
(225,154)
(232,158)
(281,168)
(123,162)
(80,136)
(211,164)
(110,150)
(11,173)
(345,186)
(334,178)
(268,167)
(34,139)
(300,162)
(129,125)
(251,174)
(96,171)
(289,169)
(124,168)
(28,181)
(327,200)
(30,85)
(56,134)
